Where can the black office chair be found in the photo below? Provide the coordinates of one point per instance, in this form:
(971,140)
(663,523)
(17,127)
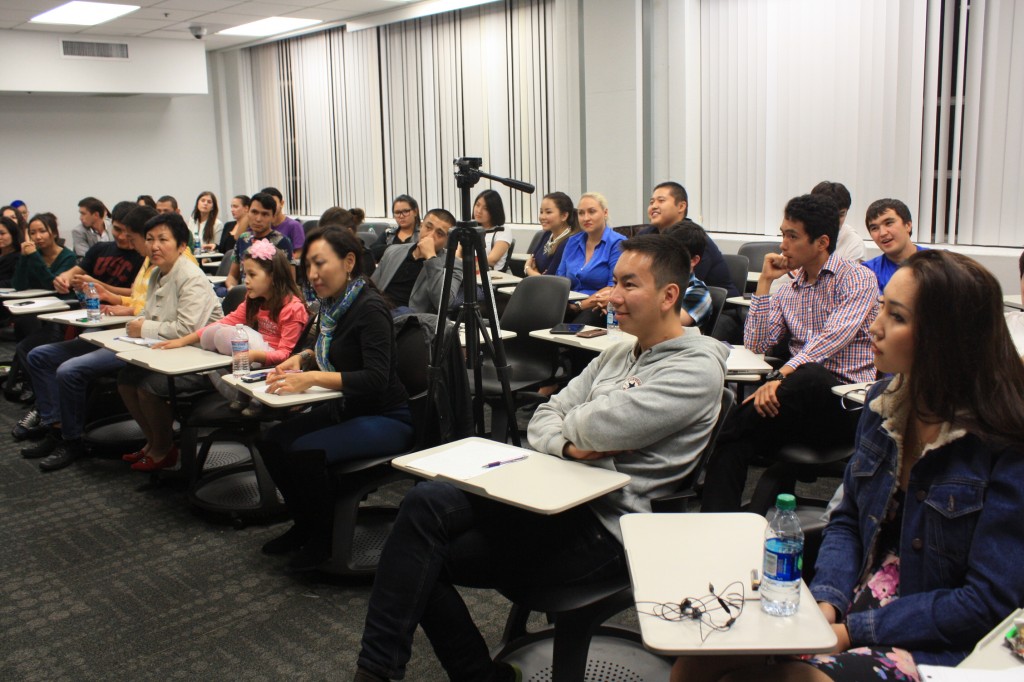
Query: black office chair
(224,267)
(537,303)
(581,643)
(718,296)
(310,225)
(508,256)
(739,266)
(233,298)
(360,531)
(368,238)
(755,253)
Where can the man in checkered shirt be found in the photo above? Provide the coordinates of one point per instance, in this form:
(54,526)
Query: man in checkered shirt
(823,311)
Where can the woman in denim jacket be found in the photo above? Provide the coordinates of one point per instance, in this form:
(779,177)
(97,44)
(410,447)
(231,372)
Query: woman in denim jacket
(924,555)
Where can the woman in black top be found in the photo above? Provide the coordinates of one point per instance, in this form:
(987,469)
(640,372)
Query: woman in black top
(407,215)
(10,249)
(240,212)
(354,352)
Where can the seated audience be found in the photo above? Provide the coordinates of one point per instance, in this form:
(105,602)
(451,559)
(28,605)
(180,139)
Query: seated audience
(489,212)
(42,256)
(146,200)
(824,312)
(645,409)
(411,275)
(849,244)
(110,265)
(204,224)
(350,219)
(889,225)
(697,306)
(922,557)
(289,227)
(235,227)
(354,352)
(559,222)
(10,249)
(93,228)
(261,216)
(589,260)
(180,300)
(406,211)
(668,206)
(272,315)
(61,373)
(15,214)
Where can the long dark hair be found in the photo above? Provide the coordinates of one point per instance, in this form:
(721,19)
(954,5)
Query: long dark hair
(343,242)
(282,285)
(18,219)
(966,370)
(211,220)
(495,206)
(15,232)
(564,204)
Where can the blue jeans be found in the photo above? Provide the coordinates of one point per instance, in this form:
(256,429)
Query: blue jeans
(352,439)
(444,537)
(61,374)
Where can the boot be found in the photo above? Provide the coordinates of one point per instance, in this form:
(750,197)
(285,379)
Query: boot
(64,455)
(44,447)
(315,510)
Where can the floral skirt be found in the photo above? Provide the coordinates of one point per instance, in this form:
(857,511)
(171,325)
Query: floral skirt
(864,663)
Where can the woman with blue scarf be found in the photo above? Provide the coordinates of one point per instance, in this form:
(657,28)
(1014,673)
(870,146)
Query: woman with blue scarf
(354,352)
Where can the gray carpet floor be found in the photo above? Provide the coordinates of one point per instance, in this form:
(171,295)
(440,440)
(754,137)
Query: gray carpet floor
(104,576)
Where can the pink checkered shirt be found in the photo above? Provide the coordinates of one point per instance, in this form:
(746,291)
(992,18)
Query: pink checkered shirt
(827,321)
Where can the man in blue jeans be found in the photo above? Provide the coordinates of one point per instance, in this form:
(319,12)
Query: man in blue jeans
(646,410)
(62,372)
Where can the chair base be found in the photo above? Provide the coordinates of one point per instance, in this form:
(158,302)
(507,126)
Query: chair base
(367,542)
(113,436)
(610,659)
(230,485)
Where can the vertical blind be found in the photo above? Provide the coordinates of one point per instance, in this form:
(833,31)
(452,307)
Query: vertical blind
(353,119)
(798,91)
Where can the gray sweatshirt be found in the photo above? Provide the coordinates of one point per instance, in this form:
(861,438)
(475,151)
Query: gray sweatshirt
(658,408)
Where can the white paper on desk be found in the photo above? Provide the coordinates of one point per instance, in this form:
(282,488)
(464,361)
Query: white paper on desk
(936,673)
(137,341)
(465,461)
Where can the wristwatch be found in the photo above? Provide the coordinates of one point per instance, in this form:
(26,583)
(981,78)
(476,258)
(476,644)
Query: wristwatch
(774,375)
(578,305)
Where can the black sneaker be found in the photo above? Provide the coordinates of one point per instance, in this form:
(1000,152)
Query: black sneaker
(44,447)
(29,426)
(64,455)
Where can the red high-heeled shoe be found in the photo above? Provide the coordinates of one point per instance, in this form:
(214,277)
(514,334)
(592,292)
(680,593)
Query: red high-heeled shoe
(133,457)
(147,463)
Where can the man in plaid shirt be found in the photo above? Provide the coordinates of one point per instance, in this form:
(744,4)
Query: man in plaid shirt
(824,312)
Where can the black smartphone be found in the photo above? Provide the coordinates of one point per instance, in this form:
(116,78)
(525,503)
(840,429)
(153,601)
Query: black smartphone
(567,328)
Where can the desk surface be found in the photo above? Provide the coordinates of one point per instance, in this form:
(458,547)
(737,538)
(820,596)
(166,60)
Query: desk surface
(176,360)
(107,339)
(505,334)
(540,483)
(217,279)
(79,318)
(740,361)
(26,293)
(853,392)
(208,254)
(258,390)
(34,306)
(1013,301)
(663,570)
(738,300)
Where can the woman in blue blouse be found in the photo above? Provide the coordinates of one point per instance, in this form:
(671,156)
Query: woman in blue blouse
(558,221)
(589,259)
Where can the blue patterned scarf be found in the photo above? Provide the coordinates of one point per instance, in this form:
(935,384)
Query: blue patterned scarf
(329,319)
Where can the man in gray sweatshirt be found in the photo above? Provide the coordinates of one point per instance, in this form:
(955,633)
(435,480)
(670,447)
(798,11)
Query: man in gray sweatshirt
(645,409)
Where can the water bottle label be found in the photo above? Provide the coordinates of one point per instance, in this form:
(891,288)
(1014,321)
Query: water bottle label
(239,346)
(92,303)
(783,560)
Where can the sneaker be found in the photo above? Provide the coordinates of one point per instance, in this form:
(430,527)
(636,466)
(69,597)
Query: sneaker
(255,409)
(29,426)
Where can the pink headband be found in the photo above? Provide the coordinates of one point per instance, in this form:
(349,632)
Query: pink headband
(262,249)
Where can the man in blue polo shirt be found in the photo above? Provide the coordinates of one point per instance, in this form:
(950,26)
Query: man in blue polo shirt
(889,225)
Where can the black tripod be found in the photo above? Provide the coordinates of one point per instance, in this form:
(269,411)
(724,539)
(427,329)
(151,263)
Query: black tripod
(470,237)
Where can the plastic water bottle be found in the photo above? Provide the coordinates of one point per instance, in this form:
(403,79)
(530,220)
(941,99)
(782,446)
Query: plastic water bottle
(240,351)
(92,303)
(372,231)
(611,321)
(783,559)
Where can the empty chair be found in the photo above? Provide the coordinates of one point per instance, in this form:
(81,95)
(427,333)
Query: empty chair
(755,253)
(739,266)
(718,296)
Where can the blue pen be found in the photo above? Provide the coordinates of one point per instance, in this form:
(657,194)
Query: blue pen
(491,465)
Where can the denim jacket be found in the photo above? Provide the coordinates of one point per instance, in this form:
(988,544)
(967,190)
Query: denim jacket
(961,544)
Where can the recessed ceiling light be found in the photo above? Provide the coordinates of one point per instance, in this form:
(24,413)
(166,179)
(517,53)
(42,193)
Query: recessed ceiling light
(83,13)
(269,27)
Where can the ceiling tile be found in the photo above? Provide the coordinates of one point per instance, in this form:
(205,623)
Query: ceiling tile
(197,5)
(317,13)
(262,9)
(157,13)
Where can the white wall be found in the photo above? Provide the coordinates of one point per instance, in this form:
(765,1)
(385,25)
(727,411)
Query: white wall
(57,149)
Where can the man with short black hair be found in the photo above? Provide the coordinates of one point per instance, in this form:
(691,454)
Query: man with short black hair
(107,263)
(889,225)
(696,303)
(849,245)
(825,313)
(167,204)
(412,275)
(669,205)
(262,209)
(289,227)
(644,409)
(93,227)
